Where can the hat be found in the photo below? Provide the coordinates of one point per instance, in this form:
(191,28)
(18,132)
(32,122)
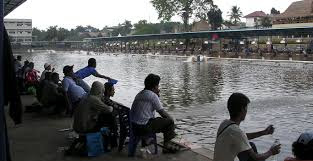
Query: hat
(46,65)
(305,138)
(112,81)
(68,69)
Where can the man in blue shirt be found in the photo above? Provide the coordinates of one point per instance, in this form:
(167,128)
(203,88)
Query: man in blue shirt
(86,72)
(73,92)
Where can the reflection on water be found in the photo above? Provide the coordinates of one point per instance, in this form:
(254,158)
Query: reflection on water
(196,93)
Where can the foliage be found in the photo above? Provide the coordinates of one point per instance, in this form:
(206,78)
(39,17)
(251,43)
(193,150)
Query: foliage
(62,34)
(124,29)
(91,29)
(266,22)
(215,17)
(228,23)
(274,11)
(39,34)
(169,27)
(55,33)
(143,27)
(183,8)
(52,33)
(235,15)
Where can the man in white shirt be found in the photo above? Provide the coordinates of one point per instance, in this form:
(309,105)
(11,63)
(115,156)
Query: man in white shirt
(232,142)
(142,113)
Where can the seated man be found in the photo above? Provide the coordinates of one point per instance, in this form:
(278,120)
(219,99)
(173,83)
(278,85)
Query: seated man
(142,113)
(86,72)
(42,84)
(109,92)
(87,116)
(231,141)
(53,95)
(302,148)
(73,92)
(47,69)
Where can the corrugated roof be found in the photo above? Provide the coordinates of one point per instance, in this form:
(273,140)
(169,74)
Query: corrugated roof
(298,9)
(256,14)
(221,33)
(10,5)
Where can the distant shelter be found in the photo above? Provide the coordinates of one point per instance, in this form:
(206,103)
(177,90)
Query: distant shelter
(298,14)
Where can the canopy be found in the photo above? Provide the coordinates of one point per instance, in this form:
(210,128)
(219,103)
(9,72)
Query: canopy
(10,5)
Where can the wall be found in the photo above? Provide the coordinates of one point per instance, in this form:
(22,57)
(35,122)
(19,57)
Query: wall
(20,30)
(250,22)
(293,25)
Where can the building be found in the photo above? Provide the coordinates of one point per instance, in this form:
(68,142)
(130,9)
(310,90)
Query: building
(255,18)
(19,30)
(200,26)
(298,14)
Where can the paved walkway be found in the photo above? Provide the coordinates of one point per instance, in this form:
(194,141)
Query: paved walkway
(38,139)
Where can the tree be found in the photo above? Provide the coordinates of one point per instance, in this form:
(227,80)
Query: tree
(143,27)
(169,27)
(52,33)
(184,8)
(39,34)
(235,15)
(91,29)
(62,34)
(274,11)
(124,29)
(266,22)
(228,23)
(215,17)
(80,29)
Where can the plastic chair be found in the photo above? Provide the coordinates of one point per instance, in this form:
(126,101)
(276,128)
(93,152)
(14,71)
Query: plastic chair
(124,126)
(135,138)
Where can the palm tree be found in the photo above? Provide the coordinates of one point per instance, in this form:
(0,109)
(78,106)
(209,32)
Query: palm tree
(235,15)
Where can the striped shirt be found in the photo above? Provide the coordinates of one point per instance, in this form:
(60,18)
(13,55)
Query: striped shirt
(144,106)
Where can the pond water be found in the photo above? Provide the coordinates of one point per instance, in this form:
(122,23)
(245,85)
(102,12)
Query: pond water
(196,93)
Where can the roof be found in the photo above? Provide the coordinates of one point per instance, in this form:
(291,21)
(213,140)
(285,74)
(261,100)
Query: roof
(221,33)
(256,14)
(298,9)
(10,5)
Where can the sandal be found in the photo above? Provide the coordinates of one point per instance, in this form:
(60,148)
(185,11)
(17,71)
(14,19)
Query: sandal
(171,149)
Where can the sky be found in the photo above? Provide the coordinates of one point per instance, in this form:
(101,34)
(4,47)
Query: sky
(101,13)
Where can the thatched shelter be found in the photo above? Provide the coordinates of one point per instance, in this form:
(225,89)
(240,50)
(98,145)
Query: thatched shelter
(297,12)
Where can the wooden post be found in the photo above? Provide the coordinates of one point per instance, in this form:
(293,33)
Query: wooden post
(258,42)
(121,44)
(143,46)
(129,49)
(148,46)
(220,45)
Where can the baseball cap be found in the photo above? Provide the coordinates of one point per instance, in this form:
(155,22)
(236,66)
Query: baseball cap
(112,81)
(68,68)
(305,138)
(46,65)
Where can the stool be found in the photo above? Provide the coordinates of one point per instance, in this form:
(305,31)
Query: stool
(134,140)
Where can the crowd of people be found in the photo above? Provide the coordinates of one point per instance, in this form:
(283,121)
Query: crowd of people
(92,108)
